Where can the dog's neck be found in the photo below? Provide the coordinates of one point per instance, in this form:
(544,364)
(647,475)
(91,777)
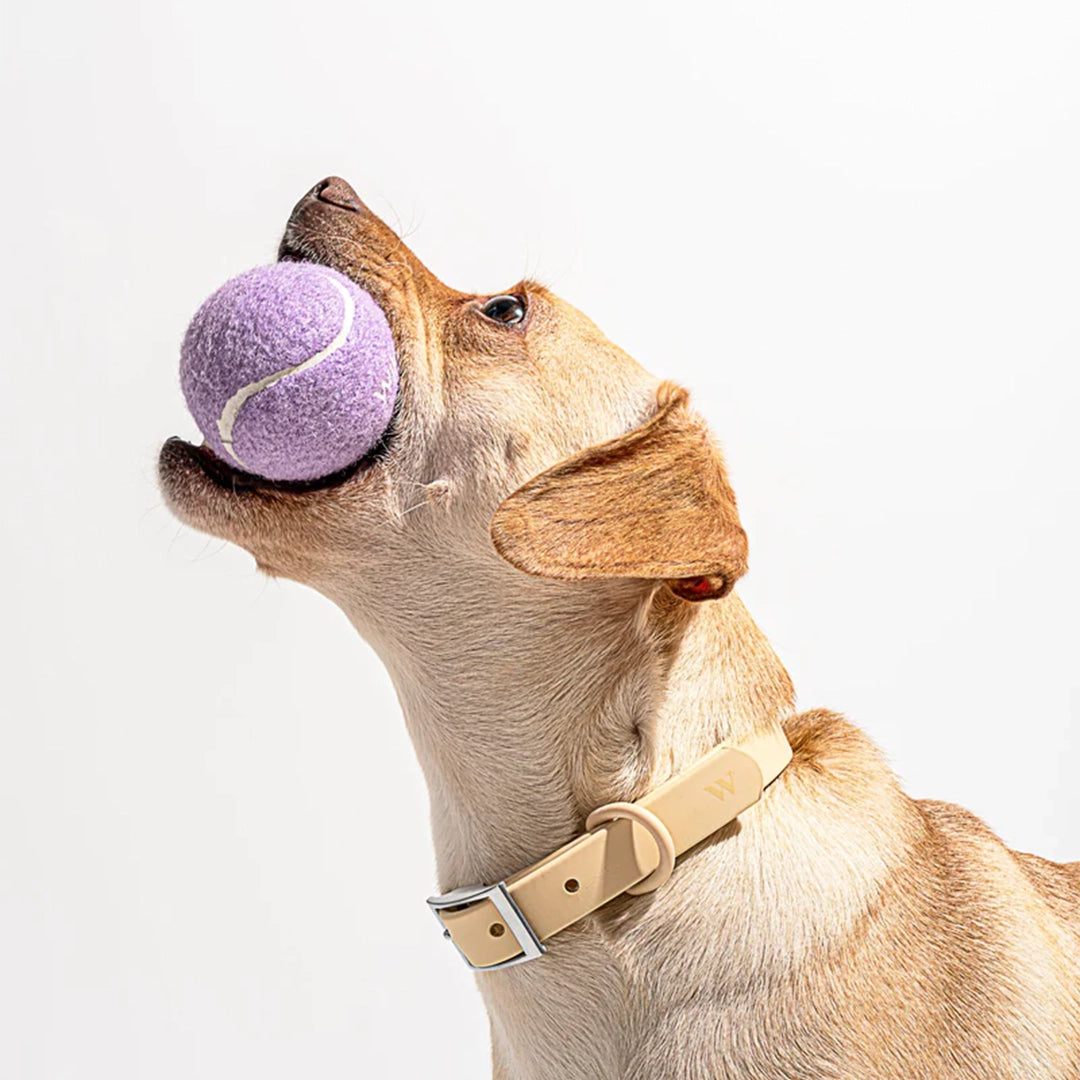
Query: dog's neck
(527,711)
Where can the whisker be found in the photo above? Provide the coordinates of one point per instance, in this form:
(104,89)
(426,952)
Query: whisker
(408,510)
(352,242)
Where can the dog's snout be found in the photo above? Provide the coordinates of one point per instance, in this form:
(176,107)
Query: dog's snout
(332,225)
(338,192)
(310,215)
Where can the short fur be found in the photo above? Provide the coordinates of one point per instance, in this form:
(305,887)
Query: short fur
(837,929)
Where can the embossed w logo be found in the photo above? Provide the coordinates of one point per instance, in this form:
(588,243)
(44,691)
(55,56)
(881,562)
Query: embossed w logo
(721,788)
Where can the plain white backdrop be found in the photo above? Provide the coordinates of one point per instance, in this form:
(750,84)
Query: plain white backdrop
(852,229)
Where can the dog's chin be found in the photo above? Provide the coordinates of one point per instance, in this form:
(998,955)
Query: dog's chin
(203,491)
(210,495)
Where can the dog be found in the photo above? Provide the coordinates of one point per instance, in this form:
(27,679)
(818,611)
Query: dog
(542,551)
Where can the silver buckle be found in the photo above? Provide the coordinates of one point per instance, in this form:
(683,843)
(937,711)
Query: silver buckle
(511,914)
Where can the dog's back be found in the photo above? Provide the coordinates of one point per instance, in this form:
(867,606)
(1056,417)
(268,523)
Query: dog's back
(1058,883)
(968,962)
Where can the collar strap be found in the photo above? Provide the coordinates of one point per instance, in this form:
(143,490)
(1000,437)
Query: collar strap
(629,848)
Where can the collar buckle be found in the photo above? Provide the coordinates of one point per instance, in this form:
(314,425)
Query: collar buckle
(512,917)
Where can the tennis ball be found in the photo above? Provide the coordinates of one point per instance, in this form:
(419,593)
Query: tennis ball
(290,371)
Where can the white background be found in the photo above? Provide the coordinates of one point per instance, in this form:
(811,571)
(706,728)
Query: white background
(852,229)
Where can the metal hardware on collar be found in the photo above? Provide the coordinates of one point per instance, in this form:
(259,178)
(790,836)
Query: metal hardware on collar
(515,921)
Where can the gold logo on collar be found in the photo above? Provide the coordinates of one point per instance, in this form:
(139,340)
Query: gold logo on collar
(721,788)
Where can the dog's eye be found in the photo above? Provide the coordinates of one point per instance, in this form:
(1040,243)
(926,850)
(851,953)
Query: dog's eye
(507,310)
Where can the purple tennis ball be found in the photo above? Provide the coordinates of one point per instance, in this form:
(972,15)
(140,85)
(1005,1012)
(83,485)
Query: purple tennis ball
(290,371)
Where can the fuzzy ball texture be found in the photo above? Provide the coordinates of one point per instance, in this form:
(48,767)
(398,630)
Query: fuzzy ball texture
(290,371)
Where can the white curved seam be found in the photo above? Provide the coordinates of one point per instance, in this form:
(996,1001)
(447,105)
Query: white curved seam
(235,403)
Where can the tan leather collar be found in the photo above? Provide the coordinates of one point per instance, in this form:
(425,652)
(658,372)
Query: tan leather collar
(630,847)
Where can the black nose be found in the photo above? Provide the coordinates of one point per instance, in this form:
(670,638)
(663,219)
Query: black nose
(338,192)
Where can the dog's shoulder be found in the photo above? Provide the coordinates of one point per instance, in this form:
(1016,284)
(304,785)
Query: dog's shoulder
(833,755)
(962,833)
(975,860)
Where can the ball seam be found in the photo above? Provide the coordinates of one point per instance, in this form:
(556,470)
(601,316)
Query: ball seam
(229,413)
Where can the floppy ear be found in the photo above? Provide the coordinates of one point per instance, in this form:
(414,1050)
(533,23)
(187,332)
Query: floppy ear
(654,503)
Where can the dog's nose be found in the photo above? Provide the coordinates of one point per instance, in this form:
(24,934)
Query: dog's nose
(338,192)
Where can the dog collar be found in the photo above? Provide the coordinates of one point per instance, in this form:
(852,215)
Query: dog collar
(630,847)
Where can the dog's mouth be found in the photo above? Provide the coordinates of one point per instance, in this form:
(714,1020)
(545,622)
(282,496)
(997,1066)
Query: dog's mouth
(299,244)
(236,481)
(287,252)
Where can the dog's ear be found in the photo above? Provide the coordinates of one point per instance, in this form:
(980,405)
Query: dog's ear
(654,503)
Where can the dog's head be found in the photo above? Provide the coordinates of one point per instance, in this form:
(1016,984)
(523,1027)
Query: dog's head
(522,441)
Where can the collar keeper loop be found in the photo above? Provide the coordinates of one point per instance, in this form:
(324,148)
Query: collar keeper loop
(665,845)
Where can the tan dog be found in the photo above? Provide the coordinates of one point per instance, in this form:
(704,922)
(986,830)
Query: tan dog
(836,929)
